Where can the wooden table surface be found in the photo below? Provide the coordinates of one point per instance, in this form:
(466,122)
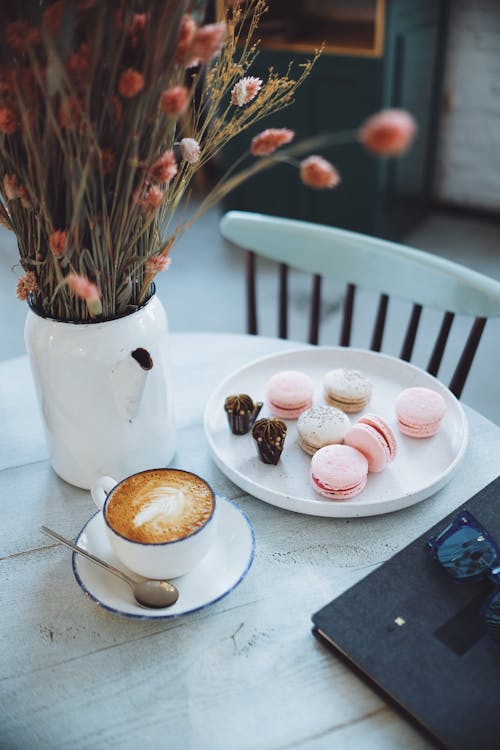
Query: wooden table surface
(245,672)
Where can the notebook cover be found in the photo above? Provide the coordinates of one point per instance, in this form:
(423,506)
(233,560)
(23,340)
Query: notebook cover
(438,664)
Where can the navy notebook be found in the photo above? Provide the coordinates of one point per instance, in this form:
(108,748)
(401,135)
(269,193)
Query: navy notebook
(419,638)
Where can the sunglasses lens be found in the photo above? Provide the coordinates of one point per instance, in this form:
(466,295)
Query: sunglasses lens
(492,616)
(466,553)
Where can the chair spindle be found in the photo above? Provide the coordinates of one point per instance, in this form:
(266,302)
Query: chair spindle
(411,333)
(283,306)
(251,297)
(378,329)
(439,346)
(464,363)
(345,334)
(315,309)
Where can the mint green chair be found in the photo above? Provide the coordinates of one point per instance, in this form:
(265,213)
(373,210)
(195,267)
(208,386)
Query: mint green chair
(391,269)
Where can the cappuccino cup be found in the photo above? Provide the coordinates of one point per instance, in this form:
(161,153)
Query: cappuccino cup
(160,522)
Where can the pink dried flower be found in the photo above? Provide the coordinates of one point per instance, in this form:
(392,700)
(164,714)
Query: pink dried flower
(157,263)
(269,140)
(190,149)
(207,43)
(6,82)
(389,132)
(14,35)
(165,168)
(137,28)
(70,113)
(119,19)
(13,190)
(23,195)
(4,219)
(52,16)
(11,187)
(25,285)
(78,64)
(153,199)
(108,160)
(82,287)
(86,290)
(186,35)
(174,101)
(130,83)
(20,36)
(318,173)
(57,242)
(245,90)
(8,121)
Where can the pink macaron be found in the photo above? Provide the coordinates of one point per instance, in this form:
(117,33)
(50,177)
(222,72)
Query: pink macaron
(289,393)
(420,412)
(373,437)
(338,471)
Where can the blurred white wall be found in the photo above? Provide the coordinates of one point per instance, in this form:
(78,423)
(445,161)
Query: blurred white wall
(468,169)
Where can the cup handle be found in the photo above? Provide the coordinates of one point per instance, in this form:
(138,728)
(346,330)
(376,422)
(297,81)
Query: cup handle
(101,489)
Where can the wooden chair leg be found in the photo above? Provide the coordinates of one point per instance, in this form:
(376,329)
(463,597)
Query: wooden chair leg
(251,296)
(315,310)
(283,304)
(464,364)
(439,346)
(411,333)
(378,329)
(345,333)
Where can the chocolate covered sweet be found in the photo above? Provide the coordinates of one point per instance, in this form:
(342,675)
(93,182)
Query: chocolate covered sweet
(269,435)
(241,413)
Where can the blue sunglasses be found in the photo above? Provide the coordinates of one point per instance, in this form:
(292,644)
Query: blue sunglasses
(467,552)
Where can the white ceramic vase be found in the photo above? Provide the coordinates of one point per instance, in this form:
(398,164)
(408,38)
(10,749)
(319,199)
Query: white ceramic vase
(105,393)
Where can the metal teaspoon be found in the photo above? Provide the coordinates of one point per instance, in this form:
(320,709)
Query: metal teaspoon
(148,593)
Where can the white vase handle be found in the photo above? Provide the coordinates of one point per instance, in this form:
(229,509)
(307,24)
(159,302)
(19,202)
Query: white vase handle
(100,490)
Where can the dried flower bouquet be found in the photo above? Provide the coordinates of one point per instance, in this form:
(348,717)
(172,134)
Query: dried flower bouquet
(106,113)
(107,110)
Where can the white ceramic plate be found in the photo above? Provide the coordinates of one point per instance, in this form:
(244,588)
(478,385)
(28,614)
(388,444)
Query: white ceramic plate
(420,468)
(220,571)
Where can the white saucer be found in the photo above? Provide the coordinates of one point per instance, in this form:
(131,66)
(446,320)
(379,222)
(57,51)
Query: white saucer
(223,568)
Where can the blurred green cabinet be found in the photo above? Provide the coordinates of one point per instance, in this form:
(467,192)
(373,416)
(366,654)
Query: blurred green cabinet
(378,54)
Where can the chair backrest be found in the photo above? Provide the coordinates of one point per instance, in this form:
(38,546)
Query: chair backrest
(391,269)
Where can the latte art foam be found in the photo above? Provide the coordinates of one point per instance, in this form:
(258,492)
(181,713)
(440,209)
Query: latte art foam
(160,506)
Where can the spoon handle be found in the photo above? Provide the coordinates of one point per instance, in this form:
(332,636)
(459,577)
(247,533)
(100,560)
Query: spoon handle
(86,554)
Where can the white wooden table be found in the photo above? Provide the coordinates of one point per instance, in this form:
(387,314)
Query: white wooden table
(243,673)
